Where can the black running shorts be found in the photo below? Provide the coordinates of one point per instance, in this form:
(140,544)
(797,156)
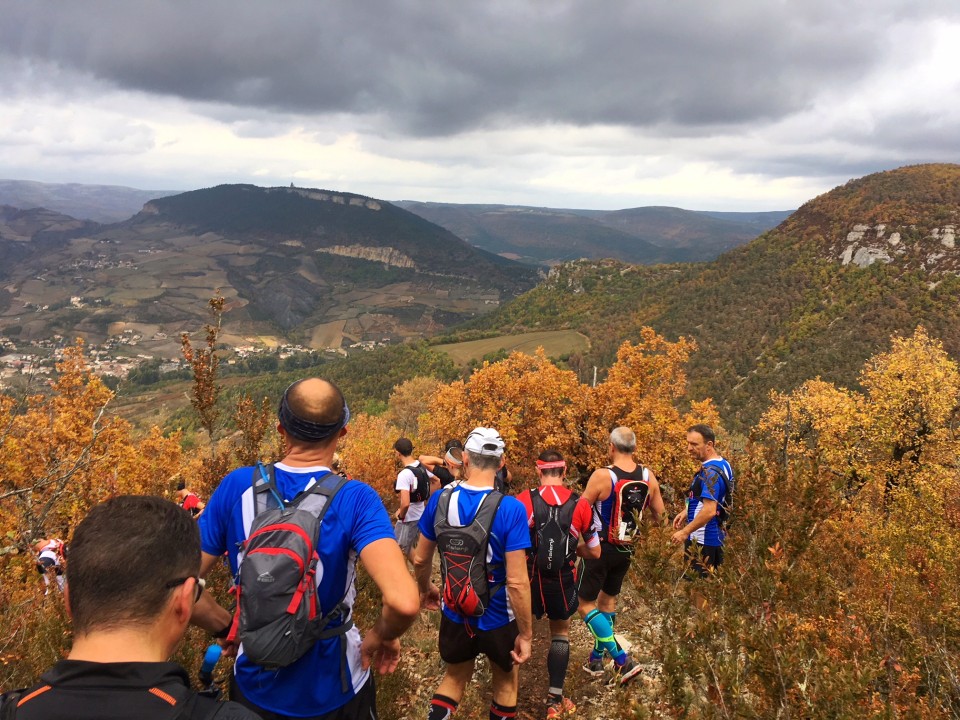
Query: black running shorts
(702,558)
(555,597)
(457,645)
(605,573)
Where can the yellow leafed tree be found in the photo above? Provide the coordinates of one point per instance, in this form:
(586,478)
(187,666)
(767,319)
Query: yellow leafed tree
(642,391)
(534,404)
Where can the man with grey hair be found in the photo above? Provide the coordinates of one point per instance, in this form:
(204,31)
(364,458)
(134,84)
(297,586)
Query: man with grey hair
(619,492)
(482,536)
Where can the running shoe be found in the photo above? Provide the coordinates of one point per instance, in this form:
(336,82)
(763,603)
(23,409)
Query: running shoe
(558,709)
(623,674)
(593,667)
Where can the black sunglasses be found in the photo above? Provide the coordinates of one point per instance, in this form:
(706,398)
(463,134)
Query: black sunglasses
(180,581)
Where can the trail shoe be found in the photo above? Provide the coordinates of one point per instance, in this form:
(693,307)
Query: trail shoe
(593,667)
(560,708)
(623,674)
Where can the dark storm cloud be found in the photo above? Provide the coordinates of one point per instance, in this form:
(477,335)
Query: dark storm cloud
(438,68)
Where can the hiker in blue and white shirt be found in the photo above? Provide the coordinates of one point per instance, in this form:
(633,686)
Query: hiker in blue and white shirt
(505,629)
(699,526)
(332,680)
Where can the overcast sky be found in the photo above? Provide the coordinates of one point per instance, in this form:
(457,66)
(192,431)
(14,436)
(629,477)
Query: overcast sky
(726,105)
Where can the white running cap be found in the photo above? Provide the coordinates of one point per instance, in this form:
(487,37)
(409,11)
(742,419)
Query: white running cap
(484,441)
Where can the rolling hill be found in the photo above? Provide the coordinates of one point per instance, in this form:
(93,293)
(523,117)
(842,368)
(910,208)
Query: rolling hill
(645,235)
(323,268)
(817,295)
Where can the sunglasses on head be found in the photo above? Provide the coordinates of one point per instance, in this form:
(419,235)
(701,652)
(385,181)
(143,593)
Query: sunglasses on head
(180,581)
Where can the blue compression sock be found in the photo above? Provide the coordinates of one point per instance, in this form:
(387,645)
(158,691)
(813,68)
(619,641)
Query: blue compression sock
(603,632)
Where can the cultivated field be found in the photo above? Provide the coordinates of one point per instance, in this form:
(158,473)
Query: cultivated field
(554,343)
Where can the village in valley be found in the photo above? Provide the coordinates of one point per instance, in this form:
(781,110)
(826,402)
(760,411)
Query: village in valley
(120,354)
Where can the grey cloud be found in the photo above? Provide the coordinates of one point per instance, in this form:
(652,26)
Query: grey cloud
(438,68)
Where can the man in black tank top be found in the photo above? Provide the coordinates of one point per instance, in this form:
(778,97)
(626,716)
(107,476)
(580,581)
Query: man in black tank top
(603,578)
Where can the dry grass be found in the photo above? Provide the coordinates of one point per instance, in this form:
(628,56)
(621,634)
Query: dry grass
(554,343)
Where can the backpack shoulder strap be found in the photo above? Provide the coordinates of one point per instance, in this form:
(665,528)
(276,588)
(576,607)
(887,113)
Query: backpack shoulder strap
(536,499)
(719,471)
(488,510)
(263,481)
(418,470)
(440,517)
(327,485)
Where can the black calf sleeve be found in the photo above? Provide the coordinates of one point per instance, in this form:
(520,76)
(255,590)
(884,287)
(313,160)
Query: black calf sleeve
(558,658)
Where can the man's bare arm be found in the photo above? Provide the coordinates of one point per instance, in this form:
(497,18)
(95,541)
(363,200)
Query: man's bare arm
(518,588)
(708,511)
(430,461)
(598,486)
(656,499)
(384,562)
(423,570)
(404,505)
(587,552)
(207,614)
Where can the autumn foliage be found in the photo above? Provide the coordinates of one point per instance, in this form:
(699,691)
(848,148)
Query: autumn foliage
(840,590)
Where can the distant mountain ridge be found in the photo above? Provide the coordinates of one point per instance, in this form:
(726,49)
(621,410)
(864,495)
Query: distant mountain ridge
(645,235)
(533,235)
(321,267)
(816,296)
(98,203)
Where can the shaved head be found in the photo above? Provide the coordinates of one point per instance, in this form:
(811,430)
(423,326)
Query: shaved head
(313,412)
(316,400)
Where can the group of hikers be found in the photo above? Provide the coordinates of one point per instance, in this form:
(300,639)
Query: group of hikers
(292,533)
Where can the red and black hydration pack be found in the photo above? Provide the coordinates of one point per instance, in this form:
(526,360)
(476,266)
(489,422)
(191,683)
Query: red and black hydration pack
(278,616)
(630,497)
(553,548)
(468,584)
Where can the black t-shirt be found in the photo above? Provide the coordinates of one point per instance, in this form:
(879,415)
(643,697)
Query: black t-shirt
(81,690)
(445,476)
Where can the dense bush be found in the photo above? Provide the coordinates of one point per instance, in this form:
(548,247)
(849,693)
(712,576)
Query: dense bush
(840,590)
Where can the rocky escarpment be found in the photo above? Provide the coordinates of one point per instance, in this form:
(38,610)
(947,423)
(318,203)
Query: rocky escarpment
(320,196)
(386,255)
(934,251)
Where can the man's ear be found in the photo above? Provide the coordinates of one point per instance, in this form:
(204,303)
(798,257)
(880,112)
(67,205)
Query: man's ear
(183,600)
(343,431)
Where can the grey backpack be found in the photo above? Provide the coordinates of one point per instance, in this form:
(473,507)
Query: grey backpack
(468,585)
(278,615)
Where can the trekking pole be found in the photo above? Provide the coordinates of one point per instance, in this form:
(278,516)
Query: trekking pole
(210,659)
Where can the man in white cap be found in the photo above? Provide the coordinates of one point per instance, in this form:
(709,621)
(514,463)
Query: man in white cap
(482,537)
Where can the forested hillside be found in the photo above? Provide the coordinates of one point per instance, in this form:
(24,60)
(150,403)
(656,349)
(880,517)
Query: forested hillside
(814,297)
(644,235)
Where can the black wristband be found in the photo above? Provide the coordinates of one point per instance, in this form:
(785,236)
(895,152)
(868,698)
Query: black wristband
(222,634)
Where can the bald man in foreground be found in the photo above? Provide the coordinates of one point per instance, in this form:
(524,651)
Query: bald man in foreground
(332,680)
